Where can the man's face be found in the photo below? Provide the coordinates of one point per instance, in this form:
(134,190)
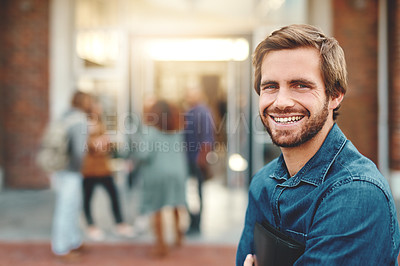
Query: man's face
(293,104)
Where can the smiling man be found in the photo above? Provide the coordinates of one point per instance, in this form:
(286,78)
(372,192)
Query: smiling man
(320,192)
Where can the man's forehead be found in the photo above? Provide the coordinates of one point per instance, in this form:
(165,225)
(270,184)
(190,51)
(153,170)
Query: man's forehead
(291,64)
(293,54)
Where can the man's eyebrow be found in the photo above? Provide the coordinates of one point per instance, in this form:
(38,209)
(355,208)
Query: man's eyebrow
(268,82)
(303,81)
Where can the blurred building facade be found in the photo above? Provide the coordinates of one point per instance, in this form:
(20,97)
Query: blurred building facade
(50,47)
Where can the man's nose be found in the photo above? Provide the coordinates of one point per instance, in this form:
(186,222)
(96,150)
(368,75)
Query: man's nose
(284,98)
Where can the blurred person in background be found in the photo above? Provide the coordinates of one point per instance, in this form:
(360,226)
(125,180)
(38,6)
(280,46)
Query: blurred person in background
(321,191)
(199,137)
(66,239)
(97,171)
(163,169)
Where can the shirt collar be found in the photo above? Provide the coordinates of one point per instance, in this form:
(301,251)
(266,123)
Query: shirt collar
(314,171)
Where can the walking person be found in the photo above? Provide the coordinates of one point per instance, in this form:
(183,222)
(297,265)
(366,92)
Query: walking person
(321,192)
(199,137)
(66,237)
(163,169)
(97,171)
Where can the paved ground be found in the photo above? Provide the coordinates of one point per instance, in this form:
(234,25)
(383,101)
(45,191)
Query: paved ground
(25,230)
(117,254)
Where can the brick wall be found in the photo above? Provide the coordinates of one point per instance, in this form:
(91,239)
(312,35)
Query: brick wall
(355,27)
(24,84)
(2,74)
(394,83)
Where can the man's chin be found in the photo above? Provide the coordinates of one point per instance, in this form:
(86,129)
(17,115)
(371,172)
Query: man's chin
(285,143)
(286,138)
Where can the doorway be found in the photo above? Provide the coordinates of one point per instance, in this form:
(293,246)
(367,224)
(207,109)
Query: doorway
(168,67)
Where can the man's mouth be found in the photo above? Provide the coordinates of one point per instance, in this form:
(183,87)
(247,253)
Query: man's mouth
(287,119)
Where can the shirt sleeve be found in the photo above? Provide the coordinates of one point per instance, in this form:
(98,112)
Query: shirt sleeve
(246,243)
(355,224)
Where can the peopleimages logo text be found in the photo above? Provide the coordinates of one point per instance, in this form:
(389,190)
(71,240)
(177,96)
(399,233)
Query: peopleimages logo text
(130,123)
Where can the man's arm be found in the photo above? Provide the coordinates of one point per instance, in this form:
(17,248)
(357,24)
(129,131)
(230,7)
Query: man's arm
(355,224)
(246,244)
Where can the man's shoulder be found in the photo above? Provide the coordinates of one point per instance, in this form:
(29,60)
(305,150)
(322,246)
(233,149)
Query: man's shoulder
(355,163)
(351,165)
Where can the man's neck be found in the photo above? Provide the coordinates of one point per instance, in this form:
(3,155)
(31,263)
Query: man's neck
(296,157)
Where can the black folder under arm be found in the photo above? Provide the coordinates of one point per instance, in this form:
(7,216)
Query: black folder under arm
(272,247)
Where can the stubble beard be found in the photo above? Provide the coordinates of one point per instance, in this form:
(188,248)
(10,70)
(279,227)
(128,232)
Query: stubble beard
(309,130)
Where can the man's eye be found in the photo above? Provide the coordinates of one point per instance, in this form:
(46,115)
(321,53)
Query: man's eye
(301,86)
(269,87)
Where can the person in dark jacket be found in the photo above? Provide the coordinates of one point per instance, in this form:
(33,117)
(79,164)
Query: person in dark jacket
(199,136)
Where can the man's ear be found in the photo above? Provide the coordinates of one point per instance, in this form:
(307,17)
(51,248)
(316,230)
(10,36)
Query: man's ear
(336,101)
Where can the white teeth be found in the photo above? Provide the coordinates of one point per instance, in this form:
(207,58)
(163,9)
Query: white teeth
(287,120)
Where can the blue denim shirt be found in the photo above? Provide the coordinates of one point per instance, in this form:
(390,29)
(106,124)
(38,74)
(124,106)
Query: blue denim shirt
(338,204)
